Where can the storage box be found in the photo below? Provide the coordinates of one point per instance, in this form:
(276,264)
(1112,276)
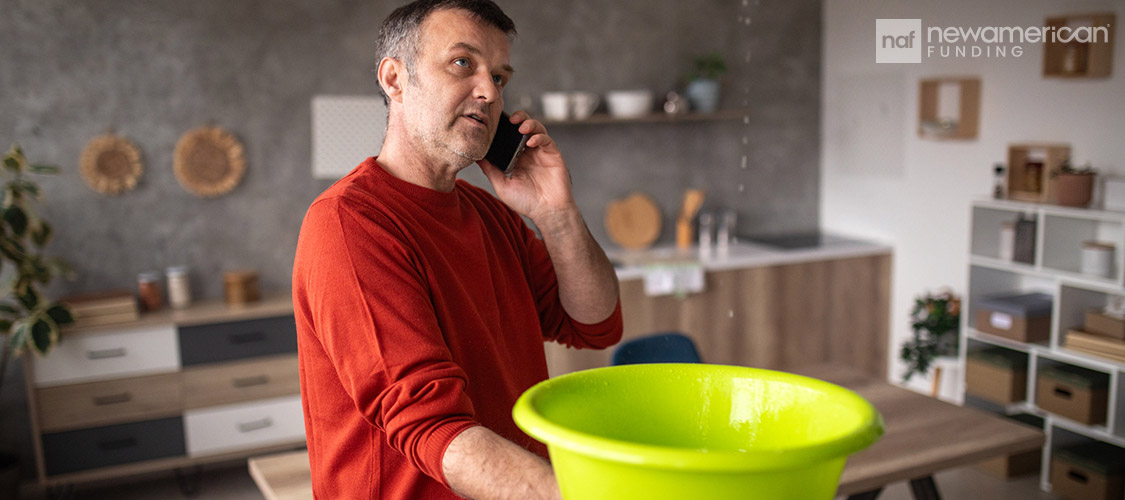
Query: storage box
(1093,471)
(1100,323)
(1018,464)
(997,374)
(1073,392)
(1026,317)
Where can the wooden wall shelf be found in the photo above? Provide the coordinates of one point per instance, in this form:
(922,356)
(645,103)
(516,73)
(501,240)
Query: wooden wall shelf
(606,119)
(1032,168)
(1076,59)
(931,123)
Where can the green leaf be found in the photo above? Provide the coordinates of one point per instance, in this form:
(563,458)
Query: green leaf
(44,334)
(29,297)
(19,338)
(8,309)
(11,249)
(45,169)
(5,325)
(30,188)
(16,219)
(41,234)
(60,314)
(11,163)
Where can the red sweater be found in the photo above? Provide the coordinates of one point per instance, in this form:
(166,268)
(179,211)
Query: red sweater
(419,314)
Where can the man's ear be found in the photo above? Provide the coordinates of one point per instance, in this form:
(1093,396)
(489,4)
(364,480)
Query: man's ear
(392,76)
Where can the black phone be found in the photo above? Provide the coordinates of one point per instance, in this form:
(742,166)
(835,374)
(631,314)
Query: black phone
(507,145)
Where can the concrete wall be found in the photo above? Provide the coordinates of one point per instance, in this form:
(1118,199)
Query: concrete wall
(879,179)
(151,70)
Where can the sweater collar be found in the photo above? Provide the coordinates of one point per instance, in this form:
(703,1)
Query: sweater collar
(423,195)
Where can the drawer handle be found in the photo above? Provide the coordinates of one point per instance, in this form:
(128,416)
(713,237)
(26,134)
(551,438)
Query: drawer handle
(1077,476)
(106,353)
(112,399)
(1062,393)
(246,338)
(255,425)
(243,382)
(117,444)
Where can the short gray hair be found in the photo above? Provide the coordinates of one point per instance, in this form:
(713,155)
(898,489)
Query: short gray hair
(400,36)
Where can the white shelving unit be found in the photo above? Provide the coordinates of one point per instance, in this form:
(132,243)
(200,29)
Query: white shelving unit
(1056,271)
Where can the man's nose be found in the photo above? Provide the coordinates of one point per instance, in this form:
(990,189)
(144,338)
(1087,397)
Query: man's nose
(485,88)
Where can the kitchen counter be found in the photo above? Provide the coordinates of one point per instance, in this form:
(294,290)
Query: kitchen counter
(633,264)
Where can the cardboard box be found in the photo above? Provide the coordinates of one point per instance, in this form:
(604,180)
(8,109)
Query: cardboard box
(1025,317)
(1093,471)
(1073,392)
(1019,464)
(1099,323)
(997,374)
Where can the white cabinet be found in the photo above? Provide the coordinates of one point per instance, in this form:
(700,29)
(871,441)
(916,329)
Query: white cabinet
(1056,270)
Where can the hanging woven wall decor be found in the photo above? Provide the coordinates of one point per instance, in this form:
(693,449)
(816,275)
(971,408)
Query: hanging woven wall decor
(208,161)
(111,164)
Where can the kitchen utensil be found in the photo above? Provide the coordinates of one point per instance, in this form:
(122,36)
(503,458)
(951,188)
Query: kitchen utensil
(583,104)
(693,199)
(629,103)
(676,431)
(634,222)
(556,106)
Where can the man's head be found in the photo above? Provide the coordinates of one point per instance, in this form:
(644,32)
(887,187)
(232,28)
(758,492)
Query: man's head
(443,66)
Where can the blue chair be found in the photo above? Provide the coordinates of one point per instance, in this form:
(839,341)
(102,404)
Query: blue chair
(657,348)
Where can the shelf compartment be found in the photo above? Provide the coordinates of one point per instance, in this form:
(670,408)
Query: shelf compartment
(1031,169)
(1069,391)
(1076,59)
(949,108)
(995,340)
(987,225)
(1074,302)
(996,374)
(1063,237)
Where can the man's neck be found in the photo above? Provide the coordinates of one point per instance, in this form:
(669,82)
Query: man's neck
(403,160)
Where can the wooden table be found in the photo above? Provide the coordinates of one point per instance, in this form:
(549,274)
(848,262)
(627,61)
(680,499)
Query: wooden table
(923,436)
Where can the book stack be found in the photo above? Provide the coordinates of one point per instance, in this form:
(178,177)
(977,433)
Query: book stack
(1102,335)
(104,308)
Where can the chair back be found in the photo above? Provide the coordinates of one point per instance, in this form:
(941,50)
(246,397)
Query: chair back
(672,347)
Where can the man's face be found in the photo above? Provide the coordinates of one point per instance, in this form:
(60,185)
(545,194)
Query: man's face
(452,101)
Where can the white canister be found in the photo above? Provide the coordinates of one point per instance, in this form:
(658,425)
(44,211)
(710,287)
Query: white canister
(1007,241)
(556,106)
(179,288)
(1097,258)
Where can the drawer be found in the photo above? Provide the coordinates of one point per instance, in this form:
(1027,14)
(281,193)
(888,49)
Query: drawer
(219,342)
(245,425)
(236,381)
(74,451)
(113,401)
(102,356)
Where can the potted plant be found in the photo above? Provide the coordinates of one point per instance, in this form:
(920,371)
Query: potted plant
(28,320)
(936,321)
(703,90)
(1074,186)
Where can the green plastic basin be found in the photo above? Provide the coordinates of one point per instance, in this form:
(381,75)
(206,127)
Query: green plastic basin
(686,431)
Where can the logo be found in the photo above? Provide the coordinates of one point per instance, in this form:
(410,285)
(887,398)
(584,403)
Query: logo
(898,40)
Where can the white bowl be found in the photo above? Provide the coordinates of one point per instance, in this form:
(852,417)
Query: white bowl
(629,103)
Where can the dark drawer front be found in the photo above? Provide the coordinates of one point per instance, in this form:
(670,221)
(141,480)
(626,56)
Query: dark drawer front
(237,340)
(74,451)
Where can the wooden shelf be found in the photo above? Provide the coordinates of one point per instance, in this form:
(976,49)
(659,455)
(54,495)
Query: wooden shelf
(1031,169)
(606,119)
(931,122)
(1078,59)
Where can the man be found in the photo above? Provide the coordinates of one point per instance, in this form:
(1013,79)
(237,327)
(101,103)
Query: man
(422,302)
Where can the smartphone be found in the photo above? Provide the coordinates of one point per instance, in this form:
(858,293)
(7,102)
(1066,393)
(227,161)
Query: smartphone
(507,145)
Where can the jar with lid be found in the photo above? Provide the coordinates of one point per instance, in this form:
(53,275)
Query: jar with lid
(179,288)
(148,289)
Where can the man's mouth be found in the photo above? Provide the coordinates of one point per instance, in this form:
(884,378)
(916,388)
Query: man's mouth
(477,117)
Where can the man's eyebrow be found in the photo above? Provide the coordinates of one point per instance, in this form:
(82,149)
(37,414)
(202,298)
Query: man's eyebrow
(475,51)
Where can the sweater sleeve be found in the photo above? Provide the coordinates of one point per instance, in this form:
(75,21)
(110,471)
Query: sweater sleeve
(558,326)
(372,313)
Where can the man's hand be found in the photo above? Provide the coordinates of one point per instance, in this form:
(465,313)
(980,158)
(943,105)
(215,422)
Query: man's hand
(539,184)
(479,464)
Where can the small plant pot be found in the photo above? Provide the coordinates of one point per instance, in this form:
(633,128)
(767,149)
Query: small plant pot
(1074,190)
(703,94)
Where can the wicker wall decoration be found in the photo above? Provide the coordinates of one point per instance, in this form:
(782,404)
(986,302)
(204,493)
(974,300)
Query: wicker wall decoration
(208,161)
(111,164)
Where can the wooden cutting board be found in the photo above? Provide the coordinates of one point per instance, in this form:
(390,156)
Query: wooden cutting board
(634,222)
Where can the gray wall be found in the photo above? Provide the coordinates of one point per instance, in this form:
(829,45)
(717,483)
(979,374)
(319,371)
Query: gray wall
(151,70)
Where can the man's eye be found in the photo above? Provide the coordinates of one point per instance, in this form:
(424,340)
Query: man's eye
(462,62)
(498,79)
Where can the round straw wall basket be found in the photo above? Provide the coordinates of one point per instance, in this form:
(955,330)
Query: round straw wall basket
(208,161)
(111,164)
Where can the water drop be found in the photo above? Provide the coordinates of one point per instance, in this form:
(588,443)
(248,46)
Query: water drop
(745,3)
(748,21)
(732,313)
(744,160)
(741,188)
(745,140)
(746,119)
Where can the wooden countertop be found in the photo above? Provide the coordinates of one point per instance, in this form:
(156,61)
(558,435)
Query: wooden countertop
(202,312)
(922,436)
